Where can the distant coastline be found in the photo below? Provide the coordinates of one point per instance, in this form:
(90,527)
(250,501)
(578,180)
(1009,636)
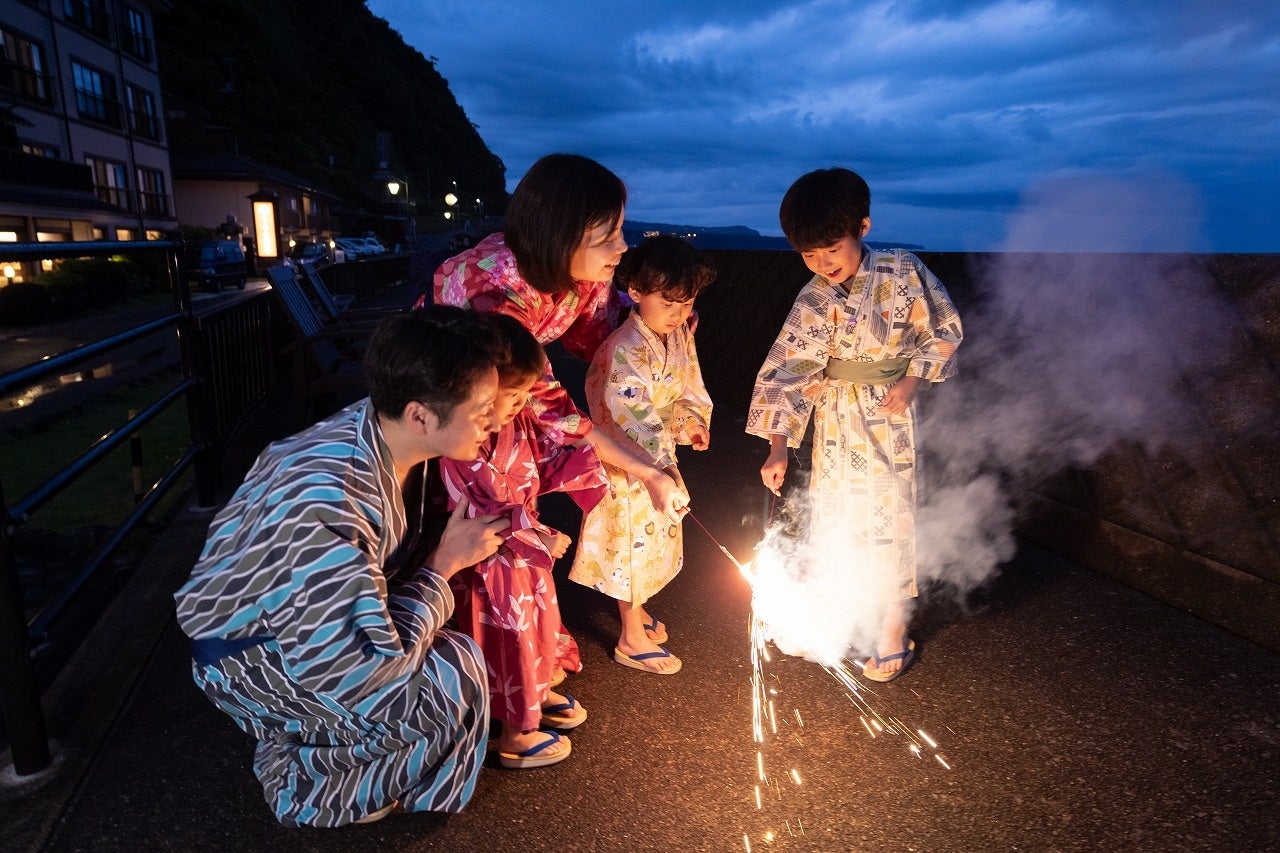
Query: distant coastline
(726,236)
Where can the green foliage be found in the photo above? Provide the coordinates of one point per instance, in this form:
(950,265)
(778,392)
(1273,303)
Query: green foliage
(76,285)
(307,83)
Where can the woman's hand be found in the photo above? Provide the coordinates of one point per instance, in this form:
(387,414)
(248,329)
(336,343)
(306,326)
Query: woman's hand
(555,542)
(466,541)
(668,497)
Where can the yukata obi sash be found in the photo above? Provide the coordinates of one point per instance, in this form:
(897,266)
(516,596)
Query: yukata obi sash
(884,372)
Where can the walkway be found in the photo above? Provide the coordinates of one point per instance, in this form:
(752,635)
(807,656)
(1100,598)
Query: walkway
(1073,714)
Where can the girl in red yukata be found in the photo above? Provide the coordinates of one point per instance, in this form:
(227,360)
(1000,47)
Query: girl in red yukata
(507,602)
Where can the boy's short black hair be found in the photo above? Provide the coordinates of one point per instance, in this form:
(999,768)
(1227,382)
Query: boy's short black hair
(433,355)
(526,357)
(668,265)
(823,207)
(560,199)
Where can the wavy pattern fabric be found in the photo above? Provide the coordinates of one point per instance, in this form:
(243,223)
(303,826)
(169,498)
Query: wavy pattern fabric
(359,697)
(862,486)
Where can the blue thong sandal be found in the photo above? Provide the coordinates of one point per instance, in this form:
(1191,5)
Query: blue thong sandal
(907,655)
(534,757)
(638,661)
(557,716)
(651,628)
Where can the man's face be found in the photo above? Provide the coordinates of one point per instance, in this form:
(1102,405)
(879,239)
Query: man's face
(469,423)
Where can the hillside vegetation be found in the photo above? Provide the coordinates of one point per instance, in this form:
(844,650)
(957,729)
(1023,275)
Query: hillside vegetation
(306,85)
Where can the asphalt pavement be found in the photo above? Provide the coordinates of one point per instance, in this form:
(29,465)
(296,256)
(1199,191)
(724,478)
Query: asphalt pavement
(1068,713)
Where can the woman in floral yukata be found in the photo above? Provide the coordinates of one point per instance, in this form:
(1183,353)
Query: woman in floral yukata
(552,269)
(507,602)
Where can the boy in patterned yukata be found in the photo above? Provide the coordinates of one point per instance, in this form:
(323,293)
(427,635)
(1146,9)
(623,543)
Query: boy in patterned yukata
(863,334)
(315,610)
(507,602)
(644,387)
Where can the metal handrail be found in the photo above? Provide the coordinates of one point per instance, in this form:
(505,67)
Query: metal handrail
(51,365)
(21,510)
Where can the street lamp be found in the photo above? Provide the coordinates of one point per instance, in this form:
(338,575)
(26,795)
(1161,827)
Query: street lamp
(411,231)
(264,224)
(451,200)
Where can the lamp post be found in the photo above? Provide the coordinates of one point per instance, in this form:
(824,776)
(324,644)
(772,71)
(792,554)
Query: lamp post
(411,229)
(451,200)
(265,225)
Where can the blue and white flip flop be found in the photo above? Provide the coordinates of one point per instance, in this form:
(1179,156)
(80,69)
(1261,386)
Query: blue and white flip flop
(651,628)
(907,655)
(638,661)
(555,716)
(534,757)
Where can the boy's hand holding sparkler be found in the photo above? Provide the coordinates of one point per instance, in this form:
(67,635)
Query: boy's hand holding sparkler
(774,469)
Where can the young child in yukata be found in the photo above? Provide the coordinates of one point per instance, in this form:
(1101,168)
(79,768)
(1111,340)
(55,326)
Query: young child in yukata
(863,335)
(507,602)
(644,387)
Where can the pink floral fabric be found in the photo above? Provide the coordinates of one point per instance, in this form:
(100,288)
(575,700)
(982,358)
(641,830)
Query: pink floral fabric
(485,278)
(508,602)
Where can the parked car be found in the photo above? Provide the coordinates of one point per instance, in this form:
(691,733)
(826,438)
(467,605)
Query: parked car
(374,245)
(313,253)
(214,263)
(352,247)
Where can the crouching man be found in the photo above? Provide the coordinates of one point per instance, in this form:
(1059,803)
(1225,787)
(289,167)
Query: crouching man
(316,609)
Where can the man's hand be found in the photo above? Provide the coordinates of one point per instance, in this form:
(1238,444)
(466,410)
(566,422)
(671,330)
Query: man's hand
(466,541)
(556,543)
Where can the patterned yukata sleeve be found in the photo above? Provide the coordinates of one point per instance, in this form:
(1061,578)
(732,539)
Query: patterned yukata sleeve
(628,400)
(343,638)
(934,321)
(694,405)
(791,376)
(599,313)
(478,481)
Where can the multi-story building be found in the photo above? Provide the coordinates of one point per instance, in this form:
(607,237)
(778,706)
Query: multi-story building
(83,153)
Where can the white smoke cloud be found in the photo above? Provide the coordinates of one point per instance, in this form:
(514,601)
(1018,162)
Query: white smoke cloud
(1065,355)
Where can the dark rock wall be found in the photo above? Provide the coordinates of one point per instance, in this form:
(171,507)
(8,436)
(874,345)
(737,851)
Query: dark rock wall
(1198,527)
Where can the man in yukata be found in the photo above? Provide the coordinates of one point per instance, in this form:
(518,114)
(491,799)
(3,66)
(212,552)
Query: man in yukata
(316,609)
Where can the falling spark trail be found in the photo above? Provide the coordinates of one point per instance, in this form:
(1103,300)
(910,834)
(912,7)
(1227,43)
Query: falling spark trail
(799,719)
(940,761)
(795,774)
(747,841)
(933,743)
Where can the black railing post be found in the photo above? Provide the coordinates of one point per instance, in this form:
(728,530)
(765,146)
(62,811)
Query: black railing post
(201,410)
(23,715)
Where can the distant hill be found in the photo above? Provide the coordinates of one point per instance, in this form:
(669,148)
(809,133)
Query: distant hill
(726,236)
(306,85)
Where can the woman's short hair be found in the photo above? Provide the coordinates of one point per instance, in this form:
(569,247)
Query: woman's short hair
(668,265)
(433,355)
(526,357)
(823,207)
(559,200)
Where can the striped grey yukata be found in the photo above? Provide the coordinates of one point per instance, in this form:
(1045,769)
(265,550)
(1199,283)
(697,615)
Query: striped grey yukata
(307,636)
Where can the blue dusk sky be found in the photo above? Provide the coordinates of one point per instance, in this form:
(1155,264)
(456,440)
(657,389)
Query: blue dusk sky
(1103,125)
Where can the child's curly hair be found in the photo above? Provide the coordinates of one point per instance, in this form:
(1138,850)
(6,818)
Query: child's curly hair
(668,265)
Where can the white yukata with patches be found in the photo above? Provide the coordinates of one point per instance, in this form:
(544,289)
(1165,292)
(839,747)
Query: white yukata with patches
(312,630)
(863,481)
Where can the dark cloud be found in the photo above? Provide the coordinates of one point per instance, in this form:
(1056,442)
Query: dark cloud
(952,110)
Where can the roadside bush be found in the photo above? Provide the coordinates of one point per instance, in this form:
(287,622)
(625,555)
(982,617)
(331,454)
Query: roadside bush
(25,303)
(82,283)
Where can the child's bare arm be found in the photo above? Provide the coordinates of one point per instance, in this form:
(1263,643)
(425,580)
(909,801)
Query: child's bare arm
(774,469)
(556,543)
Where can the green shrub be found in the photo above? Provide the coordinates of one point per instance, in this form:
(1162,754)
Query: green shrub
(81,283)
(25,303)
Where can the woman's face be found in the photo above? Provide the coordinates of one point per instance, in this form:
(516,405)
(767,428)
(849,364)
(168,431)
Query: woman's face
(598,252)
